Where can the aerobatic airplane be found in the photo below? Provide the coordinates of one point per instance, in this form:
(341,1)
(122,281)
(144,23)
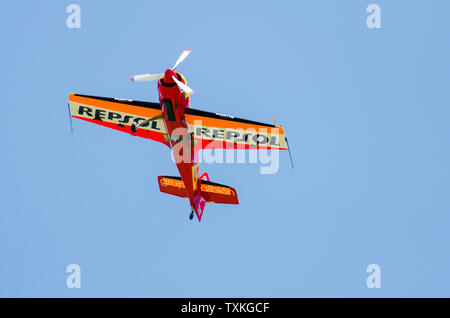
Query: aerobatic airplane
(184,130)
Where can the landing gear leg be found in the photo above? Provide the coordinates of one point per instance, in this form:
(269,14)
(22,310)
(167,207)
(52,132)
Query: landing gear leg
(191,216)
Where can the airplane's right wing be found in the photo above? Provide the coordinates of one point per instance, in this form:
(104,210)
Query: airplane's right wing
(228,132)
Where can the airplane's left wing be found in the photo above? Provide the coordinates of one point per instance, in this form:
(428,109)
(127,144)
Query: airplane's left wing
(119,114)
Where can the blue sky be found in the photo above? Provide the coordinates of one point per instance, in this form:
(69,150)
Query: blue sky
(366,112)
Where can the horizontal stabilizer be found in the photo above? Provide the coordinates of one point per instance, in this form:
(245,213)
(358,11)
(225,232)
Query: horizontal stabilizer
(210,191)
(172,185)
(218,193)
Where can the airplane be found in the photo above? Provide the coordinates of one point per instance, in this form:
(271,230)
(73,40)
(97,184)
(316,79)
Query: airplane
(184,130)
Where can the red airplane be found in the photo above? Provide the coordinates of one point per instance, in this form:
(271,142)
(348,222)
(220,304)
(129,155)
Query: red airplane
(184,130)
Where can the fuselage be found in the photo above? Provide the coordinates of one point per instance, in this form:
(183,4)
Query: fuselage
(173,103)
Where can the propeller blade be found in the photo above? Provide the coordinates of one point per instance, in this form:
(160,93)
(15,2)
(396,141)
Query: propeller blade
(147,77)
(183,86)
(181,58)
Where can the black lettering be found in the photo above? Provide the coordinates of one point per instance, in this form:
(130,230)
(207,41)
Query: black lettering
(245,137)
(232,135)
(218,133)
(137,120)
(112,116)
(202,131)
(257,139)
(155,124)
(273,141)
(100,114)
(126,119)
(86,110)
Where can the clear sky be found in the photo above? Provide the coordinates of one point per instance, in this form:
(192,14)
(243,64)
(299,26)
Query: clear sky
(366,112)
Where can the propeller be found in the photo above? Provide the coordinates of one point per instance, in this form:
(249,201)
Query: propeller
(183,86)
(182,57)
(154,77)
(147,77)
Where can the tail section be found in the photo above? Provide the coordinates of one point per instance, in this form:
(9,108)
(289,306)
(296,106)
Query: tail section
(209,192)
